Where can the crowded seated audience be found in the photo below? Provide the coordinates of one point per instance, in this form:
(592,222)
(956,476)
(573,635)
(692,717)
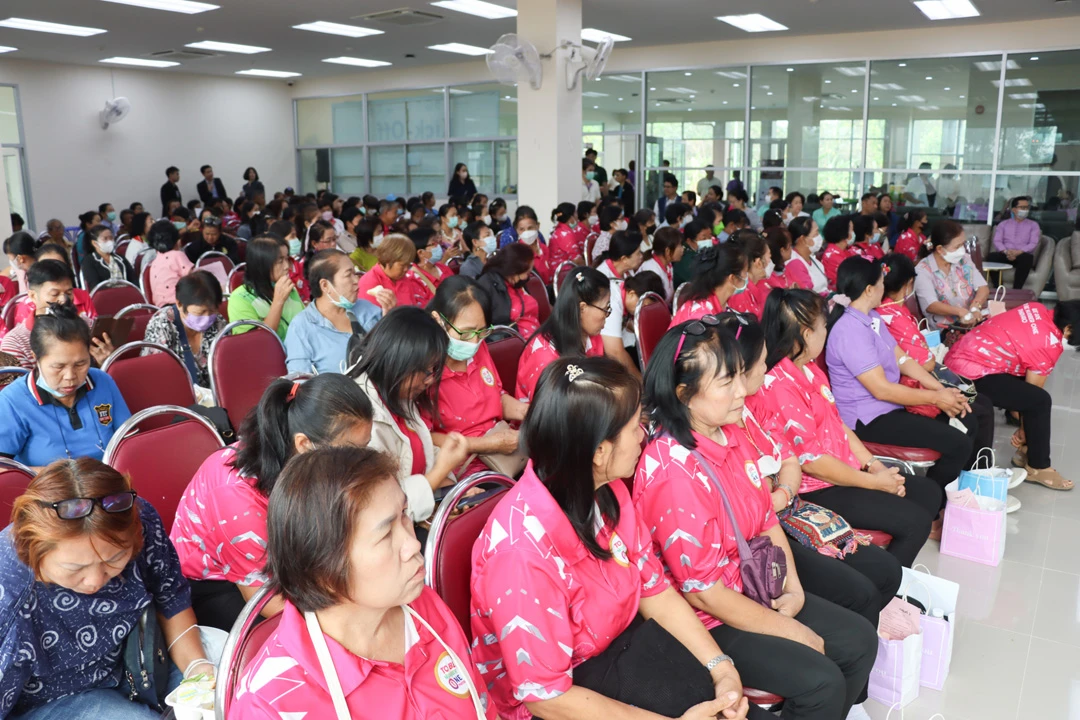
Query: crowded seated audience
(720,273)
(189,327)
(268,294)
(504,279)
(101,263)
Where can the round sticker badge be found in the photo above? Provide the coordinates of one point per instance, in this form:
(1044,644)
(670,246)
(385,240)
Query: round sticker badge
(619,551)
(450,677)
(827,394)
(487,377)
(753,474)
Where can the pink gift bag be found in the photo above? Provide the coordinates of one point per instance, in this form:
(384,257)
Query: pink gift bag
(938,625)
(974,526)
(895,677)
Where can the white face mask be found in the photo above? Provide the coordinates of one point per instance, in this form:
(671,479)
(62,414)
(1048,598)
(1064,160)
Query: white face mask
(620,225)
(769,269)
(377,240)
(486,219)
(851,239)
(815,244)
(1021,214)
(875,239)
(593,219)
(528,237)
(955,256)
(107,247)
(686,221)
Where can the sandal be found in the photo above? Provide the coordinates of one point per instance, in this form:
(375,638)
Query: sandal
(1048,477)
(1019,458)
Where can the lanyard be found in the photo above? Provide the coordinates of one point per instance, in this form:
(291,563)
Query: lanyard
(60,427)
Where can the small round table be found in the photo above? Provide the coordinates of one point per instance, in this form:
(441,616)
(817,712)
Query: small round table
(995,267)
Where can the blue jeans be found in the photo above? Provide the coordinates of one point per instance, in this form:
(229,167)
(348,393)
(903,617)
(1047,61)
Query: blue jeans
(98,705)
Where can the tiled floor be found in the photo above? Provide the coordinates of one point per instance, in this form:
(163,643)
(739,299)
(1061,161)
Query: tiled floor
(1017,649)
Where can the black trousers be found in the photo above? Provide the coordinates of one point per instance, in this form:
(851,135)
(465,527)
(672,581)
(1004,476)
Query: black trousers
(1033,403)
(863,582)
(900,427)
(1021,265)
(983,410)
(814,686)
(217,603)
(906,518)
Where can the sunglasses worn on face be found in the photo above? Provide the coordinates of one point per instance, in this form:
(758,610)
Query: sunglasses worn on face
(78,508)
(696,328)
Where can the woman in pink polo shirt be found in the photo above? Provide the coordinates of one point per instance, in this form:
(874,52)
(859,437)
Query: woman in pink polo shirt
(720,273)
(471,399)
(759,265)
(360,635)
(839,237)
(220,526)
(804,269)
(573,328)
(564,567)
(565,243)
(168,266)
(702,487)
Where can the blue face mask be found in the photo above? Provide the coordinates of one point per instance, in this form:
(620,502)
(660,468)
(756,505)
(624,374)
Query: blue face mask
(461,350)
(342,302)
(179,225)
(436,253)
(490,244)
(45,386)
(294,246)
(740,291)
(452,222)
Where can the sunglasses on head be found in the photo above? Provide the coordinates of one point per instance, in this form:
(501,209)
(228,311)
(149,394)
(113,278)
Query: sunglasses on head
(78,508)
(696,328)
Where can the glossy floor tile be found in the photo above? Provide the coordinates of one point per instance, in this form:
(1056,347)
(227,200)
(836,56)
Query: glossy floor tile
(1016,653)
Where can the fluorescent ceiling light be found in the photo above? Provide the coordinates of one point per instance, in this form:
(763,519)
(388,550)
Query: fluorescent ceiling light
(594,35)
(754,22)
(623,78)
(911,98)
(947,9)
(268,73)
(478,8)
(48,27)
(358,62)
(1023,96)
(851,71)
(453,91)
(140,62)
(1013,82)
(460,49)
(929,107)
(995,66)
(181,6)
(5,48)
(733,74)
(590,93)
(331,28)
(840,108)
(886,86)
(227,47)
(681,90)
(1032,106)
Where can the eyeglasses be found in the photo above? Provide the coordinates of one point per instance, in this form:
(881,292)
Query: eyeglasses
(606,311)
(696,328)
(78,508)
(469,335)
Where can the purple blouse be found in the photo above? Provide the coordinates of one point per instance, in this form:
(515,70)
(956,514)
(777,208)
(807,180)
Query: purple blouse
(857,343)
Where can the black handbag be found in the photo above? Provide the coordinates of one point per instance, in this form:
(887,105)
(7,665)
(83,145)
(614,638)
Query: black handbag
(146,662)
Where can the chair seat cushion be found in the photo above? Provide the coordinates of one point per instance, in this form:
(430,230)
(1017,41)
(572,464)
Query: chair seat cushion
(907,454)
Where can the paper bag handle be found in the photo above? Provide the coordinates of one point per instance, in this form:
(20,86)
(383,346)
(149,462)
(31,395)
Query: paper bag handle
(920,325)
(999,294)
(990,457)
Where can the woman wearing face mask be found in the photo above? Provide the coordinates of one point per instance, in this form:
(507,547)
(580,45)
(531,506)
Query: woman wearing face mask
(19,249)
(588,219)
(622,258)
(611,221)
(868,237)
(527,228)
(399,366)
(86,221)
(499,219)
(472,400)
(364,257)
(62,408)
(950,288)
(839,236)
(189,327)
(351,217)
(461,185)
(481,242)
(84,552)
(565,243)
(428,272)
(667,251)
(448,225)
(573,328)
(911,238)
(220,526)
(701,463)
(696,236)
(505,275)
(268,294)
(804,270)
(169,265)
(720,272)
(780,251)
(318,337)
(759,267)
(396,254)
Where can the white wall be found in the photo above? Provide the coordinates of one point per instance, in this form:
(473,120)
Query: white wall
(177,119)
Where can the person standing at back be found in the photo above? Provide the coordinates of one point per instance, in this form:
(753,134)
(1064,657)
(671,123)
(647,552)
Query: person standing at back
(170,191)
(601,174)
(211,188)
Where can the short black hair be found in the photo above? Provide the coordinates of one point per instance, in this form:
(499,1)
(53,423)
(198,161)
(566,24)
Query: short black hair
(853,276)
(198,288)
(163,236)
(48,271)
(171,169)
(837,229)
(787,312)
(674,212)
(204,168)
(61,322)
(734,216)
(323,266)
(1067,315)
(1018,199)
(456,293)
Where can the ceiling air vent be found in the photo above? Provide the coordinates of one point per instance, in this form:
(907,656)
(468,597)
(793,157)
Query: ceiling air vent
(183,55)
(404,17)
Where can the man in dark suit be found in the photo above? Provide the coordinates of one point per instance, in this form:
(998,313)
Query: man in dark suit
(170,190)
(211,188)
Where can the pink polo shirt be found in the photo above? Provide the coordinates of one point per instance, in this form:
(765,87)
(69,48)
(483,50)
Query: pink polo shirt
(1013,343)
(564,244)
(165,271)
(406,290)
(799,405)
(696,309)
(538,354)
(751,300)
(904,328)
(220,526)
(285,680)
(542,604)
(524,311)
(691,531)
(909,244)
(831,259)
(470,402)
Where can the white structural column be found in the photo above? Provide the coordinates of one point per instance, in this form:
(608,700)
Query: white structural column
(5,211)
(549,119)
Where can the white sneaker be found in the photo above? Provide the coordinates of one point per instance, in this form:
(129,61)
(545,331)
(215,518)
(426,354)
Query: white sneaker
(1012,504)
(858,712)
(1018,477)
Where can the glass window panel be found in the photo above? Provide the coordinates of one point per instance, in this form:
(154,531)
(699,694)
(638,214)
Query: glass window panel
(347,171)
(698,117)
(840,182)
(488,110)
(506,167)
(329,121)
(477,156)
(960,196)
(427,168)
(16,187)
(309,163)
(1053,199)
(807,115)
(387,169)
(401,116)
(940,111)
(612,103)
(1040,117)
(9,120)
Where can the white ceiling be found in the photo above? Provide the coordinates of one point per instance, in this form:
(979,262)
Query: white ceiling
(138,32)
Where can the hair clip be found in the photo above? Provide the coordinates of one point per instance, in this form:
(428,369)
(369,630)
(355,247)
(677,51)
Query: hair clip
(842,300)
(884,269)
(574,372)
(292,391)
(581,277)
(929,244)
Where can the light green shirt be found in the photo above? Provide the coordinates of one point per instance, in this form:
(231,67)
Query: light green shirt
(821,218)
(245,305)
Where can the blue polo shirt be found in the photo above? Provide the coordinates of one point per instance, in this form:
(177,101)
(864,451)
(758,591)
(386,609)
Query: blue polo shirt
(36,429)
(312,341)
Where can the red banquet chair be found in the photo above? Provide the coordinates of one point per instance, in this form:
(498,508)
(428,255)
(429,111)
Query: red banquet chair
(144,279)
(146,381)
(243,366)
(212,257)
(448,552)
(248,634)
(162,461)
(679,297)
(9,310)
(14,479)
(538,290)
(140,315)
(651,321)
(505,348)
(236,277)
(561,272)
(112,296)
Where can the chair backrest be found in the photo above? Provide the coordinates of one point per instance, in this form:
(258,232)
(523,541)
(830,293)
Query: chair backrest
(564,269)
(247,636)
(590,241)
(679,297)
(973,247)
(505,353)
(112,296)
(241,249)
(9,310)
(122,246)
(651,321)
(538,290)
(236,276)
(209,258)
(14,478)
(144,278)
(140,313)
(162,461)
(454,264)
(448,552)
(146,381)
(912,304)
(243,366)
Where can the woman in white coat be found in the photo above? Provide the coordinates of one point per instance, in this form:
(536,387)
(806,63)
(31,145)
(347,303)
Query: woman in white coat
(398,366)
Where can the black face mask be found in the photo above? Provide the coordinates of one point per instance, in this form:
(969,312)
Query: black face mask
(521,284)
(650,230)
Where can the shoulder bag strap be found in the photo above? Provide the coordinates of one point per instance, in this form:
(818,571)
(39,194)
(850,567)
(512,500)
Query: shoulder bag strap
(333,684)
(473,694)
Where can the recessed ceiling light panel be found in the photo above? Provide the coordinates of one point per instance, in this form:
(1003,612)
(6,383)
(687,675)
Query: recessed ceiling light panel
(188,7)
(753,22)
(356,62)
(139,62)
(489,11)
(50,27)
(269,73)
(228,47)
(330,28)
(460,49)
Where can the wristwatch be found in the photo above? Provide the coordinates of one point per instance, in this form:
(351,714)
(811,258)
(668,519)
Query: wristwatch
(717,660)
